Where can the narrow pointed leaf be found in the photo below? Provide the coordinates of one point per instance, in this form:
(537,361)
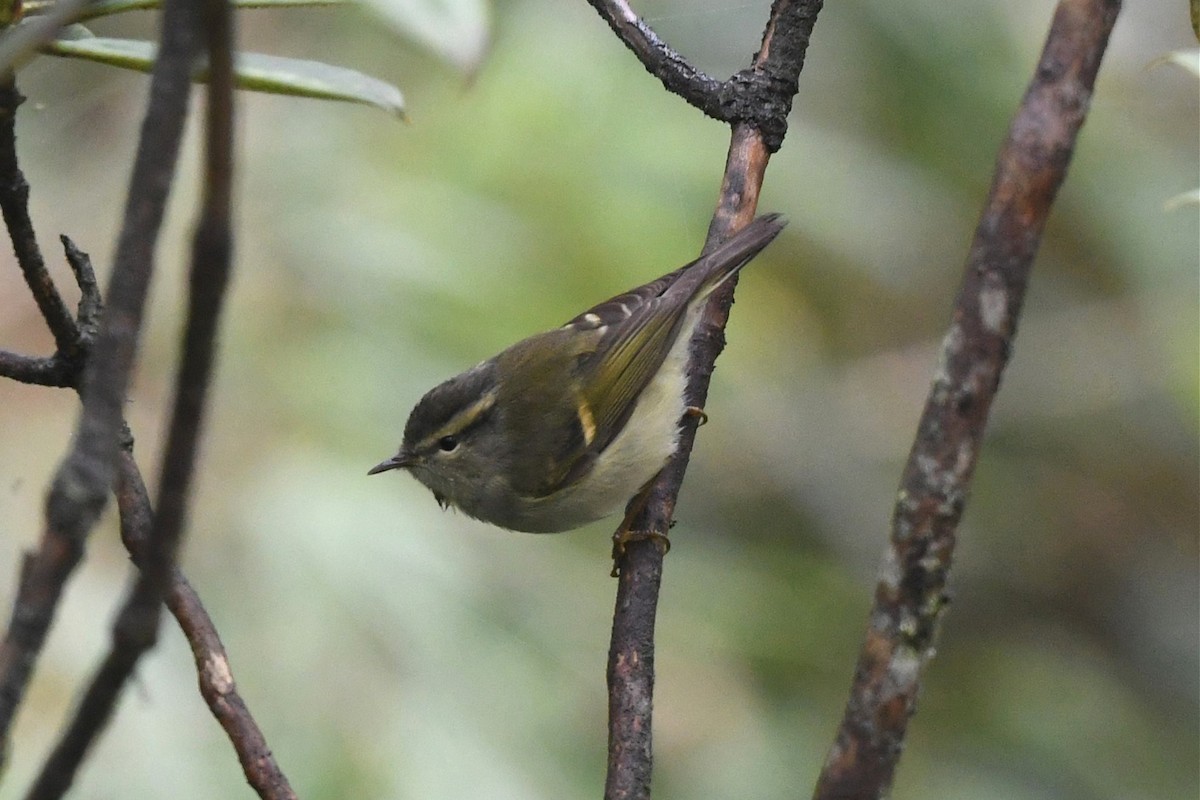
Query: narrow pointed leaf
(105,8)
(20,42)
(255,72)
(457,31)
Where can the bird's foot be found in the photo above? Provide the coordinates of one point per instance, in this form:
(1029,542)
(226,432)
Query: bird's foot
(624,536)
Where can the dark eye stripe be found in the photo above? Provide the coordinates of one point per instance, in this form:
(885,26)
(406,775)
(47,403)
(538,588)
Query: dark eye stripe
(449,435)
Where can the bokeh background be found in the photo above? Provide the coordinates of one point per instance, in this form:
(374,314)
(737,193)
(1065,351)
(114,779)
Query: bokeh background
(393,651)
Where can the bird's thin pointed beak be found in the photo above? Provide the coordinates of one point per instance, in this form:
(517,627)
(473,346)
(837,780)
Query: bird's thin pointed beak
(398,461)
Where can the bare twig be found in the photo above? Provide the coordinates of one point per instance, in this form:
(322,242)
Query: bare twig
(52,371)
(87,316)
(93,711)
(677,74)
(14,203)
(81,485)
(220,692)
(760,95)
(631,654)
(136,629)
(60,370)
(214,675)
(63,369)
(909,599)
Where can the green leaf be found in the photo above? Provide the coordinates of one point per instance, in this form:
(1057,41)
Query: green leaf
(455,30)
(18,43)
(105,8)
(304,78)
(254,71)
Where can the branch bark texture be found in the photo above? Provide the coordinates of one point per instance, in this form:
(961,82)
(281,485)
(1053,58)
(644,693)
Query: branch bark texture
(214,674)
(152,549)
(910,595)
(136,629)
(757,101)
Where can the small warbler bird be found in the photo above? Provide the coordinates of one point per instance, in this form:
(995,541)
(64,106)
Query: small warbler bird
(565,427)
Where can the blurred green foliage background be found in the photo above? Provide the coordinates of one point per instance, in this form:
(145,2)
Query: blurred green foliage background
(393,651)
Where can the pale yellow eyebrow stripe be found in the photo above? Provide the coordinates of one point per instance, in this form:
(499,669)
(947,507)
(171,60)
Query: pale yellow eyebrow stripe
(463,419)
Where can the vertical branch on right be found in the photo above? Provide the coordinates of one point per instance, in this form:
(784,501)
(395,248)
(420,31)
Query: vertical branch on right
(910,595)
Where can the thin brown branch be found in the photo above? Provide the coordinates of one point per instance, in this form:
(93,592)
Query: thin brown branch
(219,690)
(631,653)
(81,486)
(214,675)
(136,629)
(213,672)
(93,711)
(910,599)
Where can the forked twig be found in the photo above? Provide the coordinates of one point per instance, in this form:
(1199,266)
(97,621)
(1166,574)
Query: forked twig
(136,629)
(81,486)
(75,338)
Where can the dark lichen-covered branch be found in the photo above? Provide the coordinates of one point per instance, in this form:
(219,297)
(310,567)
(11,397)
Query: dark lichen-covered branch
(909,599)
(760,95)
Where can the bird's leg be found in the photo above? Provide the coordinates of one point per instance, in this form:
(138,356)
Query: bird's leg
(625,533)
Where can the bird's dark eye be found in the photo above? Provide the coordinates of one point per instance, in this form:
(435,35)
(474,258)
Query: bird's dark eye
(448,443)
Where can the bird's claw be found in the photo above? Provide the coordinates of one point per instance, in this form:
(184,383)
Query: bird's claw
(623,537)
